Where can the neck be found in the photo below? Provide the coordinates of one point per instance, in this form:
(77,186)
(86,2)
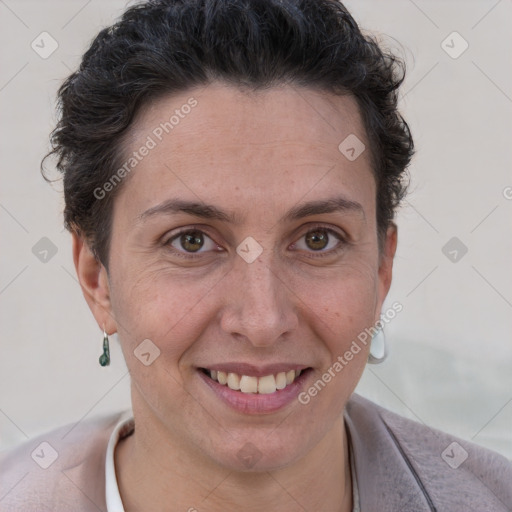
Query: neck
(153,471)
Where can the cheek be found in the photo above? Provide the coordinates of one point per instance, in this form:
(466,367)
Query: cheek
(343,300)
(340,308)
(172,306)
(161,306)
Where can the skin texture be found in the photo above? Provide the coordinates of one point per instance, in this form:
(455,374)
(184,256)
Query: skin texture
(256,155)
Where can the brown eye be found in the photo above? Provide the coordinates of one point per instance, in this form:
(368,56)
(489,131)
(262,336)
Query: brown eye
(317,240)
(321,241)
(192,241)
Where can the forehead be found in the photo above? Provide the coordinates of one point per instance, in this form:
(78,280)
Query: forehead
(222,109)
(222,143)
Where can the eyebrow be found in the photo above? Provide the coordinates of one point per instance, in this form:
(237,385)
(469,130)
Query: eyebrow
(208,211)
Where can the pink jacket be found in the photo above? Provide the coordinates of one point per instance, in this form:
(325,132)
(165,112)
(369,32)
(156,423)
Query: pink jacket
(401,466)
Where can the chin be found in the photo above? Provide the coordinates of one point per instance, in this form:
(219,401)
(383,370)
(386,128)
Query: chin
(262,451)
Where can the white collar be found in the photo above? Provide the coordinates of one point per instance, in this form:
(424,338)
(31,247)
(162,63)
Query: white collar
(123,428)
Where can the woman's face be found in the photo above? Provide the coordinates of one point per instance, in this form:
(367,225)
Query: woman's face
(245,241)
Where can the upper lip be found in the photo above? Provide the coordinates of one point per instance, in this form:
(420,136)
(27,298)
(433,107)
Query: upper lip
(255,371)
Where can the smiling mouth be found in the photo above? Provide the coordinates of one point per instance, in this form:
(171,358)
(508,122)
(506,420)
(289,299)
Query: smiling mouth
(264,385)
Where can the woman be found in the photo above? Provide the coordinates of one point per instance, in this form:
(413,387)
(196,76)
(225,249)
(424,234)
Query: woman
(231,173)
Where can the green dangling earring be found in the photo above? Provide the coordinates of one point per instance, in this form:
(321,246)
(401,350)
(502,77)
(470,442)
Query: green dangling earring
(105,357)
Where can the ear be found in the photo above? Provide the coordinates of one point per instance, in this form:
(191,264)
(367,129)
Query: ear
(93,279)
(386,257)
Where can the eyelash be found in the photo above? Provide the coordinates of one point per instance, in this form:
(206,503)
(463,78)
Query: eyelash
(341,245)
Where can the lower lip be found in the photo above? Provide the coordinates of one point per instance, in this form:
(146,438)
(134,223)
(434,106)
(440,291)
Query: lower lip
(256,403)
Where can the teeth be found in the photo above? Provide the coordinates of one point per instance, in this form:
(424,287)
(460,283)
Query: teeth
(267,384)
(233,381)
(247,384)
(281,380)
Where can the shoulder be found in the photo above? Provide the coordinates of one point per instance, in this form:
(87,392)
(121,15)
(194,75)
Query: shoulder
(450,472)
(60,470)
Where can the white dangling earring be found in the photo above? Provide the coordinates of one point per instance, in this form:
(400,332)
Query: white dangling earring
(378,348)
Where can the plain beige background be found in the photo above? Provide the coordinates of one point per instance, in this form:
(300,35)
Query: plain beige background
(451,349)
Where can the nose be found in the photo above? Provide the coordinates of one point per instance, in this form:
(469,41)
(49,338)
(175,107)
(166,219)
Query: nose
(259,306)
